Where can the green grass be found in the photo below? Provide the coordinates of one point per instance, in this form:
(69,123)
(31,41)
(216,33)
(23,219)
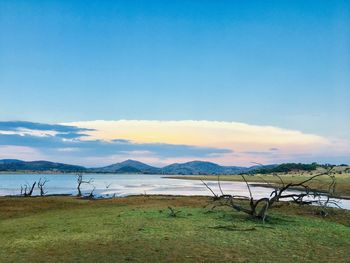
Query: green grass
(139,229)
(342,188)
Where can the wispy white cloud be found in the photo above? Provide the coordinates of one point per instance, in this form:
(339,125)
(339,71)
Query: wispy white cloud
(20,152)
(65,141)
(162,142)
(196,132)
(247,142)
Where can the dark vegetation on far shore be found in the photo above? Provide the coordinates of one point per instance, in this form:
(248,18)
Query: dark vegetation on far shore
(286,167)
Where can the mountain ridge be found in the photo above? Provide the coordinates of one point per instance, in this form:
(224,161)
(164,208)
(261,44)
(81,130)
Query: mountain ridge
(13,165)
(128,166)
(142,167)
(200,167)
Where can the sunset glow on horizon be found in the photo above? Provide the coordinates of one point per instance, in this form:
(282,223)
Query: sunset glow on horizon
(247,143)
(159,143)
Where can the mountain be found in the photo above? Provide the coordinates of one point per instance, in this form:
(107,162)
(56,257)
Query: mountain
(128,170)
(9,161)
(12,165)
(199,167)
(194,167)
(128,166)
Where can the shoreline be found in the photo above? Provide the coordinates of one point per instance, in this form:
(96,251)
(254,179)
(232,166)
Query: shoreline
(101,197)
(251,183)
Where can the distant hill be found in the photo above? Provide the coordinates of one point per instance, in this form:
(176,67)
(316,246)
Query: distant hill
(128,170)
(132,166)
(199,167)
(128,166)
(194,167)
(12,165)
(10,161)
(257,168)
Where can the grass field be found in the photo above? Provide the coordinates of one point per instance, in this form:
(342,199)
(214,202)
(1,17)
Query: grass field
(342,188)
(139,229)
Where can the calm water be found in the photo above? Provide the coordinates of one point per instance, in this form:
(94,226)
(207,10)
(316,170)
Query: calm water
(127,184)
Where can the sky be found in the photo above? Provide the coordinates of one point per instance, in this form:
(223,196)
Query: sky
(234,82)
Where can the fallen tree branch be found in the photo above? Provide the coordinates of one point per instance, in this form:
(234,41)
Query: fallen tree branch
(258,208)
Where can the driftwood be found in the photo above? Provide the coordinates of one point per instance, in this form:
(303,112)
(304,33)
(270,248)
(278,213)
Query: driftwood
(27,190)
(258,208)
(91,195)
(41,185)
(80,181)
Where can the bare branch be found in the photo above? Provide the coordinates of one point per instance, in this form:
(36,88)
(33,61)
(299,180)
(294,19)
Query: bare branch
(80,181)
(41,185)
(215,195)
(259,208)
(219,183)
(27,190)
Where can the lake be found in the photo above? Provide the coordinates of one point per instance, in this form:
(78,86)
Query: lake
(108,185)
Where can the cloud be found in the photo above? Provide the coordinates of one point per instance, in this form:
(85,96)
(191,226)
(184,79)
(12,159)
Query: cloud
(163,142)
(99,147)
(20,152)
(257,153)
(248,143)
(198,133)
(72,145)
(41,129)
(18,125)
(273,149)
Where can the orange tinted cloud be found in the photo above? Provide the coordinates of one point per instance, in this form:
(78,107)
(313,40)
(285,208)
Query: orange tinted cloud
(248,142)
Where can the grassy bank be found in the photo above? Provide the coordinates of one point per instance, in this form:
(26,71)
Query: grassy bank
(342,188)
(139,229)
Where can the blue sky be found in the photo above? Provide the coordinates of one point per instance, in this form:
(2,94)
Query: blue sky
(279,63)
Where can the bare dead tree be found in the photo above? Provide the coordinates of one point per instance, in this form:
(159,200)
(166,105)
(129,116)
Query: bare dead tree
(91,195)
(27,190)
(219,184)
(216,197)
(258,208)
(41,185)
(80,181)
